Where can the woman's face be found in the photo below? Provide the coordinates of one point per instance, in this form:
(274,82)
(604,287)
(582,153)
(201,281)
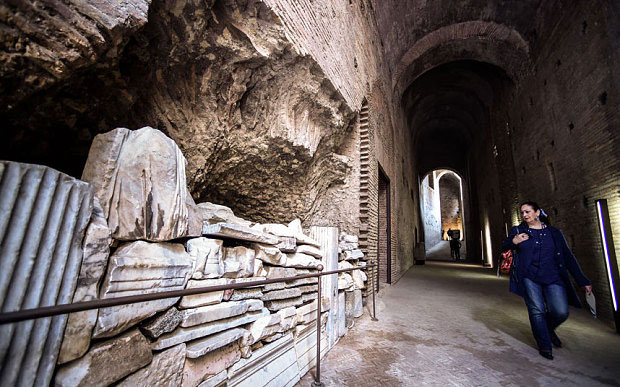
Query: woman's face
(528,213)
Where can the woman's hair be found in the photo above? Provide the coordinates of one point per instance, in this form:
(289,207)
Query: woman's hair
(543,215)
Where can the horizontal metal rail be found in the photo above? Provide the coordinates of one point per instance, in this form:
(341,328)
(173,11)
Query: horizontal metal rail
(47,311)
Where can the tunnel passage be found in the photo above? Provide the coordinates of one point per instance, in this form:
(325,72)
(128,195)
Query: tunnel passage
(451,110)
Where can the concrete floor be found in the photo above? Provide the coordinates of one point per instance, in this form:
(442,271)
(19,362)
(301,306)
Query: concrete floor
(441,252)
(454,324)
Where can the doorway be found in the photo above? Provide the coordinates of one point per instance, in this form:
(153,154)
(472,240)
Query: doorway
(384,248)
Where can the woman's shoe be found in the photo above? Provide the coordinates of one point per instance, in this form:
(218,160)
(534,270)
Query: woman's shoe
(546,354)
(555,340)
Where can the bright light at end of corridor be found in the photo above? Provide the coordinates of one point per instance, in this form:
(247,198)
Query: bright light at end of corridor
(606,251)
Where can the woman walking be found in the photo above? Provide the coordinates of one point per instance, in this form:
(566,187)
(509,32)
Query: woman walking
(540,274)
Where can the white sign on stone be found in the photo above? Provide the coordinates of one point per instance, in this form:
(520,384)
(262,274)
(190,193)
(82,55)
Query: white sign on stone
(139,268)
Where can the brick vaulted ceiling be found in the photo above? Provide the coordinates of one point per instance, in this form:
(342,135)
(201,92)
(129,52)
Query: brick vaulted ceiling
(449,63)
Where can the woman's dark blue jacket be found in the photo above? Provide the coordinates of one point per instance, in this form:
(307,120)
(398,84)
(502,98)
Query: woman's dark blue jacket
(564,259)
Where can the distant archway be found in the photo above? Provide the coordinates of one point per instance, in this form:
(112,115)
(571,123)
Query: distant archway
(443,209)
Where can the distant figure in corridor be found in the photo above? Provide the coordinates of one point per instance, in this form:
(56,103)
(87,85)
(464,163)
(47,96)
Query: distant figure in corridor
(455,247)
(540,274)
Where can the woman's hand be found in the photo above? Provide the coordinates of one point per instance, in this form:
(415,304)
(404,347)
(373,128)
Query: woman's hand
(588,289)
(520,238)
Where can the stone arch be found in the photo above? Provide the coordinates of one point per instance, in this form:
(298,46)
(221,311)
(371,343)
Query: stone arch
(474,38)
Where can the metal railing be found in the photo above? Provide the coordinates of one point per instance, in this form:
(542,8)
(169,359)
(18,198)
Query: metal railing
(54,310)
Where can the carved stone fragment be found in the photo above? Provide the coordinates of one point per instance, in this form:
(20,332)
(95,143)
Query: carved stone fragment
(215,213)
(235,231)
(138,268)
(353,302)
(163,323)
(302,260)
(208,257)
(139,178)
(277,305)
(269,254)
(246,294)
(310,250)
(287,245)
(204,314)
(281,294)
(202,368)
(166,369)
(280,230)
(95,258)
(198,348)
(261,328)
(43,216)
(288,318)
(306,313)
(127,352)
(201,299)
(238,262)
(181,335)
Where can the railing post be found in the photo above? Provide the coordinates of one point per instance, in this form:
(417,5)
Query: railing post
(317,381)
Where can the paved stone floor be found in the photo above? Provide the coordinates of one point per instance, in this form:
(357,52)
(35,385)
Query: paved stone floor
(441,252)
(453,324)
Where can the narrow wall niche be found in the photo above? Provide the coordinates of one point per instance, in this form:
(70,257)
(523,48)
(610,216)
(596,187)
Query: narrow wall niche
(552,180)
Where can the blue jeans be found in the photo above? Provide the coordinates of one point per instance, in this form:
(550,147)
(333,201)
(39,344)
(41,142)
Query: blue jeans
(547,306)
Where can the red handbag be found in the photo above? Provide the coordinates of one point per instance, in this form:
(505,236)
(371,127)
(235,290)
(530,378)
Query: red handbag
(506,264)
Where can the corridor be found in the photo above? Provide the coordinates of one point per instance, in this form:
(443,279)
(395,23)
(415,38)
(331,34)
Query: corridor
(454,324)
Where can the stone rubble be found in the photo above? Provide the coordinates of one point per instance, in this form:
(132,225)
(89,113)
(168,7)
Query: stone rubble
(137,268)
(162,323)
(217,337)
(166,369)
(128,353)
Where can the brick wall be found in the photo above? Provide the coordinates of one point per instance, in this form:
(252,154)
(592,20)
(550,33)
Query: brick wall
(342,37)
(564,132)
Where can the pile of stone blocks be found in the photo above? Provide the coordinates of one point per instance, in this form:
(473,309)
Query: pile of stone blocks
(145,234)
(351,283)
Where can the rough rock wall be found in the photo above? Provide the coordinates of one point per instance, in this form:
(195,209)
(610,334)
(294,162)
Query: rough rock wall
(344,40)
(259,124)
